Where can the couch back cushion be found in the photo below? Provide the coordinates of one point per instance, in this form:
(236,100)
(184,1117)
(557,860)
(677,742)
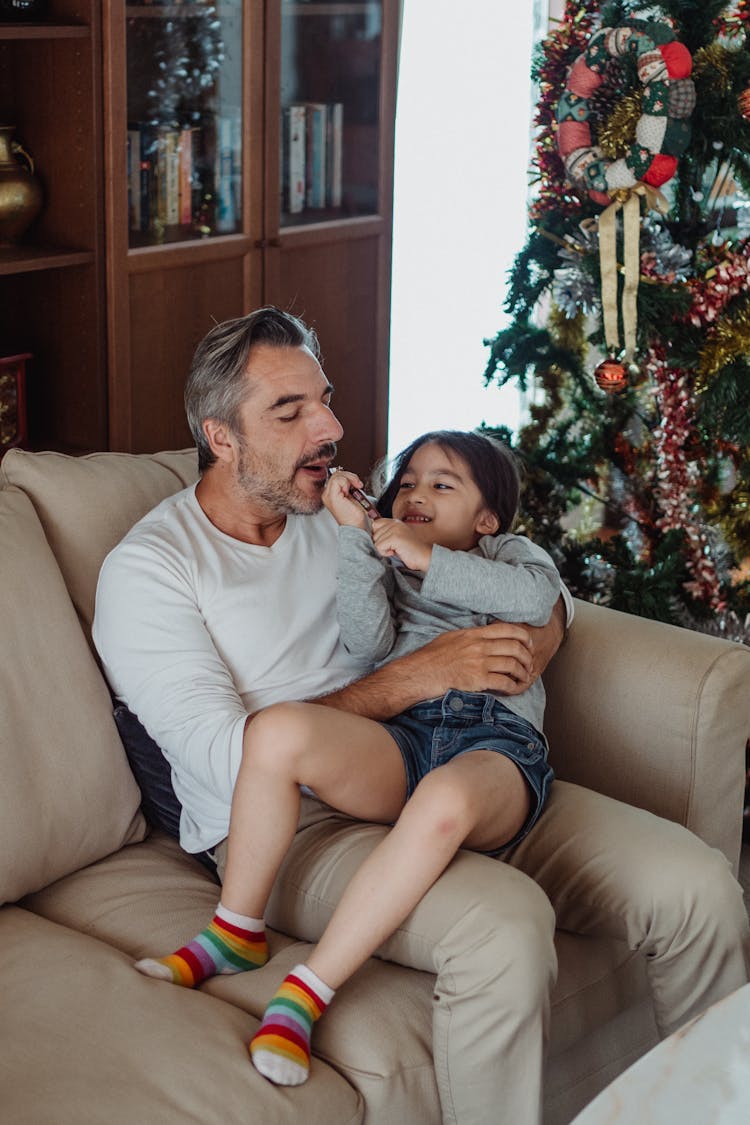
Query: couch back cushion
(67,796)
(87,504)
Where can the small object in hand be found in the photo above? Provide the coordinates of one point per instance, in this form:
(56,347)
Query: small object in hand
(611,376)
(357,494)
(366,504)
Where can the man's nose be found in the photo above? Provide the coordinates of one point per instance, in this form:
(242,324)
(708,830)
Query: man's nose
(326,426)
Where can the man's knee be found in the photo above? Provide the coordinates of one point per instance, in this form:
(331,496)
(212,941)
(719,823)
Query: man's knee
(710,894)
(483,925)
(688,890)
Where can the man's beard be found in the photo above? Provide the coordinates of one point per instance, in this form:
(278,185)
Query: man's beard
(281,495)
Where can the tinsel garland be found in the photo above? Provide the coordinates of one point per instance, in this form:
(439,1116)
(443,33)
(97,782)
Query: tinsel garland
(677,476)
(725,273)
(714,60)
(732,514)
(729,338)
(616,135)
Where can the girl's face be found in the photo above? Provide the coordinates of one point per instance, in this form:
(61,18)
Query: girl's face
(440,502)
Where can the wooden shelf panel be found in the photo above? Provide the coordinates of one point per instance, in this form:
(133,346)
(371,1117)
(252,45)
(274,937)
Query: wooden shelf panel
(346,8)
(44,31)
(25,259)
(175,255)
(341,230)
(163,11)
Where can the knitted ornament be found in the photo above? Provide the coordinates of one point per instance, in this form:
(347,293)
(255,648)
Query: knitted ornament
(662,131)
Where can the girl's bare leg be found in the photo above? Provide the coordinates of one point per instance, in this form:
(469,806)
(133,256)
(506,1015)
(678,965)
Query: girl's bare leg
(479,800)
(351,763)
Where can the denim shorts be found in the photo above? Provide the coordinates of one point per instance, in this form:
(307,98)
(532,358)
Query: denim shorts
(439,730)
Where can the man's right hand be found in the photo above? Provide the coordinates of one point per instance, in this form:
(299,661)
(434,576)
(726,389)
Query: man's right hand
(496,657)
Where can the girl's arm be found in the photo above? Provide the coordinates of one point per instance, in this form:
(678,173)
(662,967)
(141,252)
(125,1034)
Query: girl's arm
(364,588)
(512,579)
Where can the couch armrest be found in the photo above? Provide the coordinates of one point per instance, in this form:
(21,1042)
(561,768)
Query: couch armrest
(653,715)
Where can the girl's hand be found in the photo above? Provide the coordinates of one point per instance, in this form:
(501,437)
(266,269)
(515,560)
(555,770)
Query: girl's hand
(394,538)
(340,504)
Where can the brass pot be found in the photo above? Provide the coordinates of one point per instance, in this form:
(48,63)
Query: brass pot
(20,192)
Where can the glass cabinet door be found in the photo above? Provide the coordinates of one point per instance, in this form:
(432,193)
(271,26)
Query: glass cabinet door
(330,84)
(184,107)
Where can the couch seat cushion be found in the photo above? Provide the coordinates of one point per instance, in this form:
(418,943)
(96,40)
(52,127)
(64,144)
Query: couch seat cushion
(90,1040)
(151,898)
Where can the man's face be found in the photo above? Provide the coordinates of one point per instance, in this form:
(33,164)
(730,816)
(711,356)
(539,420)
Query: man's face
(287,431)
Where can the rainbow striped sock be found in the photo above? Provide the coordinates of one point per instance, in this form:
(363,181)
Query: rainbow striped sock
(230,943)
(280,1049)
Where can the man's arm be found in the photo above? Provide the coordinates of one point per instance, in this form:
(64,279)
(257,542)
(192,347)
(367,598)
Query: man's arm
(498,657)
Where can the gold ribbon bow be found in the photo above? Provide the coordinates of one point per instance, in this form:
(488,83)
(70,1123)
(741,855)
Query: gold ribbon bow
(627,200)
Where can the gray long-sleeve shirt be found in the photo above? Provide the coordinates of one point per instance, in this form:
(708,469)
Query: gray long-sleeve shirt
(386,611)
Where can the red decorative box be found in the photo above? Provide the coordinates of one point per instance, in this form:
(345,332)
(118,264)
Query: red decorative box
(13,421)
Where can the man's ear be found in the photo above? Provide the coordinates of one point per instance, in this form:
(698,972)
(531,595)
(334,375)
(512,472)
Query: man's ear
(487,523)
(221,440)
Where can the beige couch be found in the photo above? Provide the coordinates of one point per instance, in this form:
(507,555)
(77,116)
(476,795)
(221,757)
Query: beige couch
(647,713)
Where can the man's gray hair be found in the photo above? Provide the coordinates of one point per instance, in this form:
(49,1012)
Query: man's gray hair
(216,385)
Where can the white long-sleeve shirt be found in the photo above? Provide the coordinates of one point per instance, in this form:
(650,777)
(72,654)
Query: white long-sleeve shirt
(196,630)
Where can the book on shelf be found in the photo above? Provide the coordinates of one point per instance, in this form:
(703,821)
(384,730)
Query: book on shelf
(334,154)
(311,156)
(185,176)
(167,176)
(160,169)
(228,174)
(293,159)
(315,159)
(140,162)
(134,178)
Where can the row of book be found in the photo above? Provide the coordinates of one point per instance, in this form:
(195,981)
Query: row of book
(174,173)
(311,156)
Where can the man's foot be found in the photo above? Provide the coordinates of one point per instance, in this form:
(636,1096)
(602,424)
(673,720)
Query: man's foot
(280,1049)
(230,943)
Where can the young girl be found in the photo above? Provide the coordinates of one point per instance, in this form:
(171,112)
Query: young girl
(465,770)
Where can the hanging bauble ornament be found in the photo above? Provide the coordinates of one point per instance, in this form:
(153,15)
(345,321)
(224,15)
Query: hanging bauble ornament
(611,376)
(743,103)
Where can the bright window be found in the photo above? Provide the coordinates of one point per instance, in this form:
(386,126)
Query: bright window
(462,156)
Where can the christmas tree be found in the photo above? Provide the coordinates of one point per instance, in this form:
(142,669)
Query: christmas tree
(629,311)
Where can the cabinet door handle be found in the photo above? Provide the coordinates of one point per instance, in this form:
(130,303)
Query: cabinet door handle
(267,243)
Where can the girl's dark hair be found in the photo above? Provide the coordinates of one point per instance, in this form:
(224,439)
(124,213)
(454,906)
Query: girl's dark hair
(491,464)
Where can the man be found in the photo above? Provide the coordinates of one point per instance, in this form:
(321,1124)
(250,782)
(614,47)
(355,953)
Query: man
(221,602)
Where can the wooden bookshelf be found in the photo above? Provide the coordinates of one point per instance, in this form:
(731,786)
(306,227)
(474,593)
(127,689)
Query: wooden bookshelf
(52,301)
(112,314)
